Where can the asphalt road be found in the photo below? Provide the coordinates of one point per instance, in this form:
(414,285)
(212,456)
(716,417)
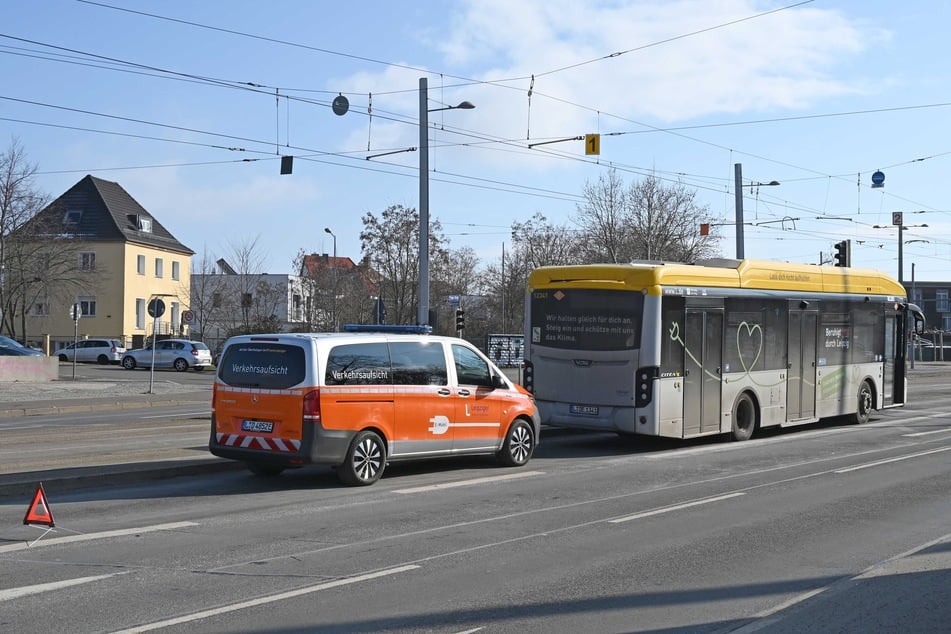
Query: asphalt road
(826,528)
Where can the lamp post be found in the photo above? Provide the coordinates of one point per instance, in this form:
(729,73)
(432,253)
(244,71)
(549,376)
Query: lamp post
(327,230)
(738,202)
(422,315)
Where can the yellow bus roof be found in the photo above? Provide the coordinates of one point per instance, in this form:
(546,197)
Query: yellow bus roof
(745,274)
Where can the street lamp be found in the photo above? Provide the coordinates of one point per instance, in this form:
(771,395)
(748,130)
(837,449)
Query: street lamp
(327,230)
(738,201)
(422,315)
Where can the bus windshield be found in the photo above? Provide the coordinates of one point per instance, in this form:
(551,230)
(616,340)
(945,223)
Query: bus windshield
(586,319)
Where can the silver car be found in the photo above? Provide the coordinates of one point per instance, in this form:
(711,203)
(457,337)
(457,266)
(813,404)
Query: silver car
(180,354)
(101,351)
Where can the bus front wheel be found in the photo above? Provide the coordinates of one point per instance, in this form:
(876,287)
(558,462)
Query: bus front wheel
(863,409)
(744,418)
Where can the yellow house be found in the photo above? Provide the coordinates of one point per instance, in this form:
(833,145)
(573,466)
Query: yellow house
(124,258)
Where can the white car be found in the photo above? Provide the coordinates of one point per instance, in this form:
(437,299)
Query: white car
(101,351)
(180,354)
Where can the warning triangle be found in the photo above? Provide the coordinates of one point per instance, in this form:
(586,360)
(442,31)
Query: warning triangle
(39,511)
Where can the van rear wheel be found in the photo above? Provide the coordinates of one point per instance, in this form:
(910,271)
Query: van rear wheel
(519,445)
(365,460)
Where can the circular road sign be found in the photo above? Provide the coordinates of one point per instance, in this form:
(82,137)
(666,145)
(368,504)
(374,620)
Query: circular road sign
(340,105)
(188,316)
(156,307)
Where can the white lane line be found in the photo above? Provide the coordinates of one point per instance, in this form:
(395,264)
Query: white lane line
(9,548)
(877,463)
(927,433)
(675,507)
(176,414)
(283,596)
(473,481)
(16,593)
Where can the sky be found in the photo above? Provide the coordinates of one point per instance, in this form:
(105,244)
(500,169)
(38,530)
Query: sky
(190,106)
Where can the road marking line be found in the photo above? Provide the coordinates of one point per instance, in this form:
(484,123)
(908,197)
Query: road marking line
(868,465)
(471,482)
(927,433)
(8,548)
(16,593)
(290,594)
(675,507)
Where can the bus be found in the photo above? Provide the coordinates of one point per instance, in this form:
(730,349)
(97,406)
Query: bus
(719,347)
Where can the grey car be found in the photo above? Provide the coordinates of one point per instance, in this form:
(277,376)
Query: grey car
(180,354)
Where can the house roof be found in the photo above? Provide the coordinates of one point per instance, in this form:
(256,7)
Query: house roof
(101,210)
(317,261)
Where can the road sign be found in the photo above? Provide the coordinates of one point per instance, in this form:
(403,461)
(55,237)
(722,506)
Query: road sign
(75,312)
(896,218)
(156,307)
(878,179)
(592,144)
(188,317)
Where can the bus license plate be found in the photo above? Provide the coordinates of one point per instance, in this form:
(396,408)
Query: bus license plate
(258,426)
(586,410)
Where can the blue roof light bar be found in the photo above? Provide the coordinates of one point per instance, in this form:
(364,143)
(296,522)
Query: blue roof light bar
(390,328)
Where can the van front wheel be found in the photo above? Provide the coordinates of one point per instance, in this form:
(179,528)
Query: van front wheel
(365,460)
(519,444)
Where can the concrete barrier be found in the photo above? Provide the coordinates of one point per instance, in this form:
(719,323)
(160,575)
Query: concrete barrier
(28,369)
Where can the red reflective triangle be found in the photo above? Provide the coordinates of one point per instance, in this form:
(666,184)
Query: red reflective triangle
(39,511)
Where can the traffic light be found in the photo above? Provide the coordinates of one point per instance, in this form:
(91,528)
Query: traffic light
(460,319)
(843,253)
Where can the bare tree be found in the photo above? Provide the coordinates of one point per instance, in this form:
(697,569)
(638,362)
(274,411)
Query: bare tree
(40,268)
(648,220)
(393,241)
(205,297)
(604,219)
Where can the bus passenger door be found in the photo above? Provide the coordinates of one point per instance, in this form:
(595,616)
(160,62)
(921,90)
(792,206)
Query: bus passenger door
(801,374)
(889,396)
(702,371)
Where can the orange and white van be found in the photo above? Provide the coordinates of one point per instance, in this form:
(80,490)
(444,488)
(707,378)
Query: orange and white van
(358,400)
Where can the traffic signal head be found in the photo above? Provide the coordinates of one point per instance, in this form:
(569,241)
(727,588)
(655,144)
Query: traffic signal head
(460,319)
(843,253)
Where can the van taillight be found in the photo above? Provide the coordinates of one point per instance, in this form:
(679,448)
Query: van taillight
(312,406)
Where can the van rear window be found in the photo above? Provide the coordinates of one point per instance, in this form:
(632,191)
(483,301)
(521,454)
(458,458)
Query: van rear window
(264,365)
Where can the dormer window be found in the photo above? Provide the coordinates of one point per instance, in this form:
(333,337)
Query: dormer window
(141,222)
(72,217)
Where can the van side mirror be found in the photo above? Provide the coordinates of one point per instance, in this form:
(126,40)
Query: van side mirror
(498,382)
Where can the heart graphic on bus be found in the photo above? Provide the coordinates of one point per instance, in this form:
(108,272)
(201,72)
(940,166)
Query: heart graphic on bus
(752,335)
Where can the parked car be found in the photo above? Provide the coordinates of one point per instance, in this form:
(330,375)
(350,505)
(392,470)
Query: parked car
(13,348)
(101,351)
(180,354)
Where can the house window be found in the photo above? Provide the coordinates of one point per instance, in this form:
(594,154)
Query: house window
(297,307)
(87,261)
(41,308)
(175,270)
(140,264)
(87,304)
(941,300)
(144,224)
(159,267)
(72,217)
(140,312)
(176,320)
(216,300)
(246,300)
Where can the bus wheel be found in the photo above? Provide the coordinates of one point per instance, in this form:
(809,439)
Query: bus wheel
(519,445)
(863,410)
(365,460)
(264,471)
(744,417)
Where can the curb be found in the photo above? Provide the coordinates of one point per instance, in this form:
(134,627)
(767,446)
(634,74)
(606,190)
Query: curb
(73,478)
(16,409)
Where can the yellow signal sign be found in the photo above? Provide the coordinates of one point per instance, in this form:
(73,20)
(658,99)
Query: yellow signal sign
(592,144)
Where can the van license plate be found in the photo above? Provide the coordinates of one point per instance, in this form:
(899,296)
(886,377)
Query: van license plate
(587,410)
(257,425)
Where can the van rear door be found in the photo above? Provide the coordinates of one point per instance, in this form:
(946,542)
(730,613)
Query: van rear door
(259,396)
